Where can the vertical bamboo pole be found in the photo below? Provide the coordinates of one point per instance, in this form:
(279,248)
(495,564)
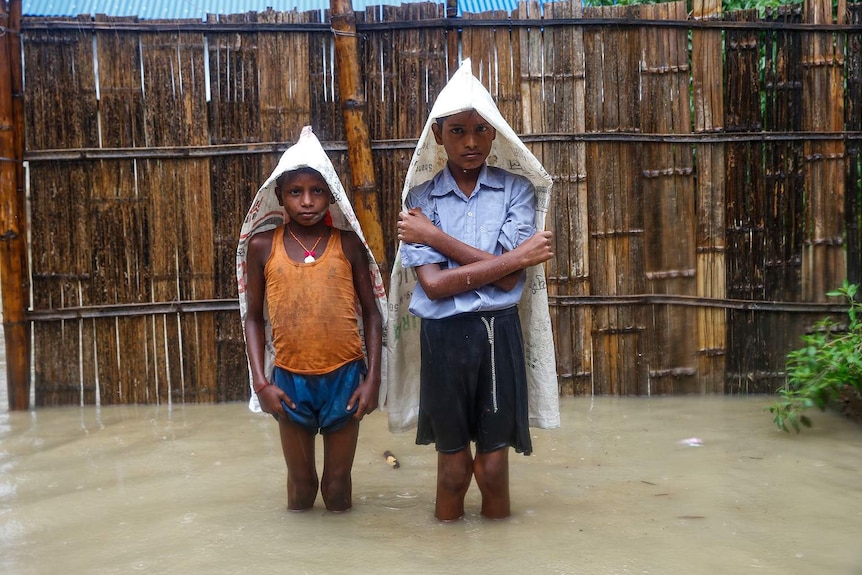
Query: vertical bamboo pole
(824,257)
(13,227)
(354,106)
(707,83)
(17,75)
(452,38)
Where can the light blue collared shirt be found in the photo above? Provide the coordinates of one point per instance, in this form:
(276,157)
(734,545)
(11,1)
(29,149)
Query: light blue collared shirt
(498,216)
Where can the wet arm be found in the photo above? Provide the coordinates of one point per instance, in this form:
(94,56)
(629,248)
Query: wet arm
(438,283)
(254,321)
(269,396)
(415,227)
(372,323)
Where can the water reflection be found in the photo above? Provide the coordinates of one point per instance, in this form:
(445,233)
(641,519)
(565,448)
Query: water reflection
(619,489)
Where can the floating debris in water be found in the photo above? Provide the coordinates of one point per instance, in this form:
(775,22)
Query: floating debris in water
(391,459)
(692,442)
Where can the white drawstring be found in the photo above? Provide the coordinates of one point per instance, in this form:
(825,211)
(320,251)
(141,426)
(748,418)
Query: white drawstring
(489,326)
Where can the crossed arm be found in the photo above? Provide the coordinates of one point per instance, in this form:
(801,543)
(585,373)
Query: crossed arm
(477,268)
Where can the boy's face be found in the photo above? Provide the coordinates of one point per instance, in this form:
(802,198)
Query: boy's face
(467,139)
(305,196)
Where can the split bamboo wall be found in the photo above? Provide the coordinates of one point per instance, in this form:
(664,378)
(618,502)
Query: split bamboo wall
(706,180)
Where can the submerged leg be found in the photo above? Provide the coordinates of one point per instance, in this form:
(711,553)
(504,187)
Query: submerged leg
(298,447)
(454,473)
(492,476)
(339,448)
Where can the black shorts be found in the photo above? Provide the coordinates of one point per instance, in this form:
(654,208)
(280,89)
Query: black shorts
(474,383)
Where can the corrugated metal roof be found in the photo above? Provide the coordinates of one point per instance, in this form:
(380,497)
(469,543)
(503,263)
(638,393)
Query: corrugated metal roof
(180,9)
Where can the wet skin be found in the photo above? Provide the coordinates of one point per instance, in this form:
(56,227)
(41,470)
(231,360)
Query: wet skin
(467,138)
(306,197)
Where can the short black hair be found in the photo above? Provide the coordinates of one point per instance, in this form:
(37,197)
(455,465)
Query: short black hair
(303,170)
(442,119)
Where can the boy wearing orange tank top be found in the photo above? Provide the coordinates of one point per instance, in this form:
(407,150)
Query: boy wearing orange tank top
(307,277)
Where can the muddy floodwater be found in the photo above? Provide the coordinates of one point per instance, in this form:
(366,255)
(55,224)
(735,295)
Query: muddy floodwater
(634,485)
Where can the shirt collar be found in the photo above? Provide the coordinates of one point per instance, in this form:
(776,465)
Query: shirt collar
(487,179)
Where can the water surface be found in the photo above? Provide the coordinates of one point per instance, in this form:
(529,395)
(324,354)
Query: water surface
(631,485)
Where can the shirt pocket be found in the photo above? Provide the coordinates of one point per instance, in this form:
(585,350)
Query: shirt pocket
(491,212)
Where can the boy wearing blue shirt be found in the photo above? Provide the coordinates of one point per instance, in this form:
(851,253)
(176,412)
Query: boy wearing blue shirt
(469,234)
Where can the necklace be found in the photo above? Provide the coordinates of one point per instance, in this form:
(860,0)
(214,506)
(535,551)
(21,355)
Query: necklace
(309,253)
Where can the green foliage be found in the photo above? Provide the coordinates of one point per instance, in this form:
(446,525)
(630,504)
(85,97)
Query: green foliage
(759,5)
(726,5)
(818,372)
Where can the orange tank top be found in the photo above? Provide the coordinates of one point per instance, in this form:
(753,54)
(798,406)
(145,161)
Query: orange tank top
(312,307)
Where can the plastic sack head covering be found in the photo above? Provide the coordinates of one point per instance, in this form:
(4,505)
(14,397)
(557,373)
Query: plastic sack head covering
(266,214)
(308,153)
(465,92)
(400,387)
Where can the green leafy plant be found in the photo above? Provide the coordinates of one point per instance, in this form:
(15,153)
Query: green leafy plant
(823,369)
(727,5)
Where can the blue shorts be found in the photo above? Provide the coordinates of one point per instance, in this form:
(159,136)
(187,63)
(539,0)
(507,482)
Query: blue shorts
(321,400)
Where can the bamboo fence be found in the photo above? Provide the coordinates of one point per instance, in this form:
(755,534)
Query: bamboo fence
(706,179)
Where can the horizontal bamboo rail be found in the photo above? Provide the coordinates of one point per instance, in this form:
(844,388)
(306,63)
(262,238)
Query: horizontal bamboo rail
(440,23)
(198,306)
(409,144)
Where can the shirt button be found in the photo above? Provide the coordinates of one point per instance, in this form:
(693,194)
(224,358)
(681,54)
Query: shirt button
(470,214)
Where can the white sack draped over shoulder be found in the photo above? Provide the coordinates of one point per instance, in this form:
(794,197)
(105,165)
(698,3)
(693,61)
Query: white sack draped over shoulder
(400,387)
(265,214)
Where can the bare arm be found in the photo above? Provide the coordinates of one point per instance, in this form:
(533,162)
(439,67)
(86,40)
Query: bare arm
(438,283)
(367,392)
(269,396)
(415,227)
